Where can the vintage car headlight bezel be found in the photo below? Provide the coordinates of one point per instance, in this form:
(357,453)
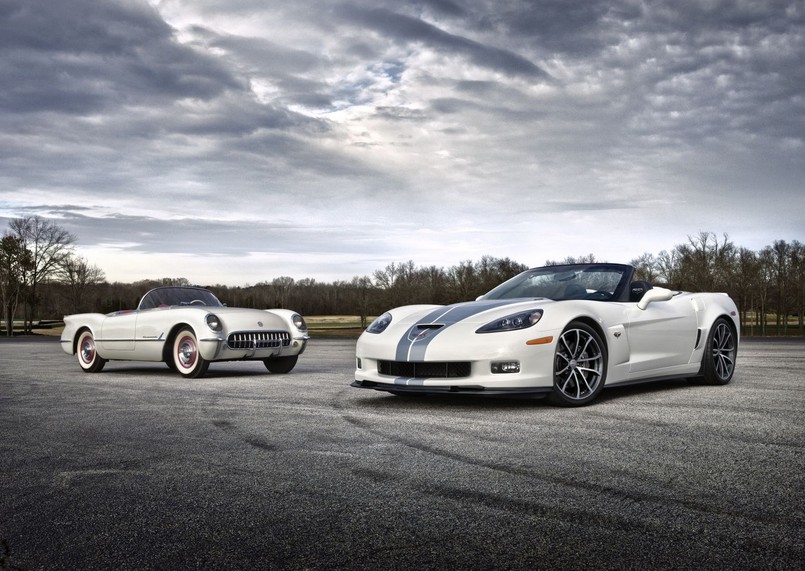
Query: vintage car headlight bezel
(380,324)
(513,322)
(299,322)
(213,322)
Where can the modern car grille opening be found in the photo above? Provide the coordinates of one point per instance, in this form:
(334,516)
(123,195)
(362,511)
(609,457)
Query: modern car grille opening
(258,339)
(446,369)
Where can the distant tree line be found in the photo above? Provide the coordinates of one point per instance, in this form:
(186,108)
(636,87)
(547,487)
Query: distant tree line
(42,277)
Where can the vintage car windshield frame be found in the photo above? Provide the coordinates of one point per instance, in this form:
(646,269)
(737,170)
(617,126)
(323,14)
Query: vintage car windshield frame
(171,296)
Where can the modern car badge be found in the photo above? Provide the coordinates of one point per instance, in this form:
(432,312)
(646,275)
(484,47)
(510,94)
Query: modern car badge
(416,336)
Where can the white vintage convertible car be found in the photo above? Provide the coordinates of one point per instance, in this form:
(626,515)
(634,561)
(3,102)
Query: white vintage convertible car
(562,331)
(187,328)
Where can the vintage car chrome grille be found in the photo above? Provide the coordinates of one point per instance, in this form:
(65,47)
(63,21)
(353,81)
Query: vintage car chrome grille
(438,369)
(258,339)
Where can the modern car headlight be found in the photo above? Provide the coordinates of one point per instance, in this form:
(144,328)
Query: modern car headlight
(380,324)
(299,322)
(213,322)
(514,322)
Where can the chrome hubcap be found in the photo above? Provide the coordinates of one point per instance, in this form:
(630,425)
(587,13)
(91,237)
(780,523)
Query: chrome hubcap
(87,350)
(186,353)
(579,364)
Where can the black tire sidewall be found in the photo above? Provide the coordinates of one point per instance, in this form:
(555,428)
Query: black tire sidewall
(709,374)
(281,365)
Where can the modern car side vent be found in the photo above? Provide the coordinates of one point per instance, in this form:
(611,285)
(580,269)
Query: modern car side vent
(258,339)
(435,369)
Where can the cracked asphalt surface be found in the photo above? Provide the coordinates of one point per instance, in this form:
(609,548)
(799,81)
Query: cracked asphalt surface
(136,468)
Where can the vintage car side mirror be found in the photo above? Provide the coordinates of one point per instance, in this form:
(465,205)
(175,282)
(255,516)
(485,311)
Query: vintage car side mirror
(655,294)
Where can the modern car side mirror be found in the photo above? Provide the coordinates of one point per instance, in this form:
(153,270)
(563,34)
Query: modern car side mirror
(655,294)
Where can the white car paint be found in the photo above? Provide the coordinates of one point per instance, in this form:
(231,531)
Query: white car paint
(147,333)
(663,335)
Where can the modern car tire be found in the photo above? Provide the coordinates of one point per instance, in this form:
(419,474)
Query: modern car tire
(186,355)
(281,365)
(718,362)
(87,354)
(580,366)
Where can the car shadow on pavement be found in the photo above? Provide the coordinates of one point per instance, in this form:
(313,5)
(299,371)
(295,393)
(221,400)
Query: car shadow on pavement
(618,393)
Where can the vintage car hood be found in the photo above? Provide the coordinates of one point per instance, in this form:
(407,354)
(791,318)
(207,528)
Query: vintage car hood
(242,317)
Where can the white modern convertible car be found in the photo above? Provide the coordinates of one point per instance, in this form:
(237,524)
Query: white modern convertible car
(187,328)
(564,331)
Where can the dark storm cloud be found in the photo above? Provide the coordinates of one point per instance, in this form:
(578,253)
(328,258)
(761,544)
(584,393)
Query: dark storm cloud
(152,235)
(381,128)
(287,68)
(83,57)
(403,28)
(555,26)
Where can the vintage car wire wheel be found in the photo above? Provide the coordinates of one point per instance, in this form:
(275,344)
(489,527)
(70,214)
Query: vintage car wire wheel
(281,365)
(87,353)
(186,356)
(579,366)
(719,357)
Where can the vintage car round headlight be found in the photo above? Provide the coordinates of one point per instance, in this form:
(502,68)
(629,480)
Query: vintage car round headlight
(299,322)
(380,324)
(213,322)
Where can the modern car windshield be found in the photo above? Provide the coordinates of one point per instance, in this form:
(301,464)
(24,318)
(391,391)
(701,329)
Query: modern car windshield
(595,282)
(168,296)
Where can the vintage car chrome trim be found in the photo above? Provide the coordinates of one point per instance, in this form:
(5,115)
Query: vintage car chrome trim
(258,339)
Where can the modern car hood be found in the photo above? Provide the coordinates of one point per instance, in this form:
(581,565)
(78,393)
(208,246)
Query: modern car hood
(480,311)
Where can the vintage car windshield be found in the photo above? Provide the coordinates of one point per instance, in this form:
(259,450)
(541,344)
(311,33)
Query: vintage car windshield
(171,296)
(594,281)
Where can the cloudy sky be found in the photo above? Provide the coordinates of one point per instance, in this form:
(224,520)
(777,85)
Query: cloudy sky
(234,141)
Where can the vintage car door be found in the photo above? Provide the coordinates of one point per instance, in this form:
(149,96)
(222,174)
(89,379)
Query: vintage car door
(152,329)
(661,335)
(117,331)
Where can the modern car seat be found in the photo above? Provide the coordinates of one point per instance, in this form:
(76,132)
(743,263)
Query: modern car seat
(638,289)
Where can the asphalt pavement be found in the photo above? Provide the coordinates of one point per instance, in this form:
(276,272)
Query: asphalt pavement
(137,468)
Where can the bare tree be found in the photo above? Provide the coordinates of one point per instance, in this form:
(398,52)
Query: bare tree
(283,286)
(798,278)
(588,259)
(49,245)
(464,280)
(78,275)
(15,263)
(386,278)
(647,268)
(779,255)
(704,263)
(362,287)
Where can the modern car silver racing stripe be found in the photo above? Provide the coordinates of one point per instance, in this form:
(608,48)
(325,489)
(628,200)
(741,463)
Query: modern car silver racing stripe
(413,344)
